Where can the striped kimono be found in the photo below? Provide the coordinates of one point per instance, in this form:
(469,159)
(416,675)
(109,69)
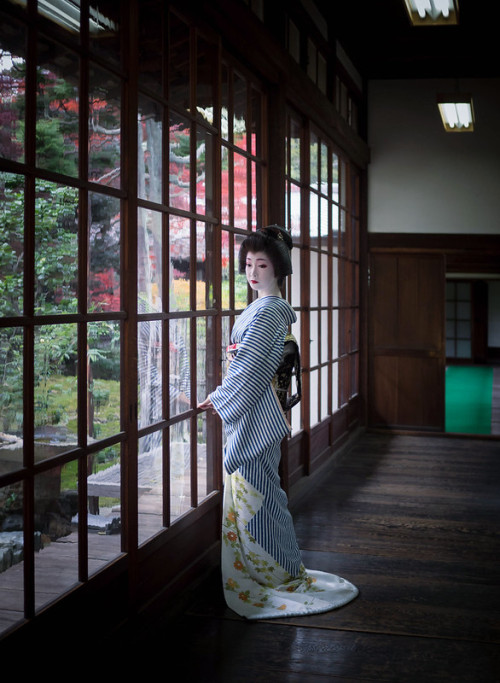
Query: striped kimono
(262,570)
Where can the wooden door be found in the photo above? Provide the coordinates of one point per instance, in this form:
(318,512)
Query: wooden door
(407,340)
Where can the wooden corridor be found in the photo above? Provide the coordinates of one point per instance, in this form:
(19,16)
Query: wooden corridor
(413,521)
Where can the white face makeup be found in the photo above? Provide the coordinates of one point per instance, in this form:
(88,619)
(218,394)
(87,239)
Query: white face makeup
(260,274)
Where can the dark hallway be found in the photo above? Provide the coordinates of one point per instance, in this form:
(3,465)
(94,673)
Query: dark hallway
(413,522)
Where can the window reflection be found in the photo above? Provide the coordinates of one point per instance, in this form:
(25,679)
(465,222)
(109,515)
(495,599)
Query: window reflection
(103,378)
(56,405)
(240,185)
(104,523)
(104,253)
(240,111)
(56,248)
(150,372)
(12,240)
(180,469)
(179,163)
(11,399)
(180,244)
(104,127)
(12,93)
(12,565)
(56,507)
(150,485)
(57,108)
(149,261)
(150,161)
(179,361)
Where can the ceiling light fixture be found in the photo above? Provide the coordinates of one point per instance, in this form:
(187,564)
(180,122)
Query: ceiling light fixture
(457,112)
(432,12)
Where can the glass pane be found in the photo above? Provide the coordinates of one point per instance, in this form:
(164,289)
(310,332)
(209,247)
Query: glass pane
(255,135)
(12,244)
(103,376)
(204,172)
(179,63)
(296,278)
(335,387)
(335,281)
(204,266)
(354,374)
(314,273)
(342,231)
(323,168)
(56,506)
(180,241)
(313,162)
(295,209)
(56,414)
(103,507)
(240,188)
(205,72)
(104,253)
(313,401)
(295,159)
(150,485)
(335,178)
(12,555)
(149,370)
(11,399)
(254,194)
(240,281)
(63,14)
(226,160)
(206,363)
(226,339)
(149,261)
(240,112)
(335,334)
(335,228)
(104,29)
(463,291)
(150,162)
(324,336)
(180,469)
(463,311)
(151,45)
(324,392)
(314,338)
(180,369)
(464,329)
(179,163)
(12,91)
(323,222)
(313,217)
(225,268)
(104,127)
(57,109)
(56,248)
(224,114)
(204,487)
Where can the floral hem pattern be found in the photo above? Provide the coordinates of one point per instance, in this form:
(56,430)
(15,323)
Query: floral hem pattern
(255,585)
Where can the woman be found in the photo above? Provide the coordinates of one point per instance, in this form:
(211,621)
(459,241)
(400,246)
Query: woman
(262,569)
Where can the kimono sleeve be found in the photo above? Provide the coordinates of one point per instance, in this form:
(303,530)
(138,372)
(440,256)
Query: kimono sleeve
(254,366)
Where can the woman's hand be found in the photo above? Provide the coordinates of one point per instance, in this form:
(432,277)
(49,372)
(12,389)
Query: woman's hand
(206,405)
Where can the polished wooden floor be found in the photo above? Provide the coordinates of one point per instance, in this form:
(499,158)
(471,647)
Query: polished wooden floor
(413,521)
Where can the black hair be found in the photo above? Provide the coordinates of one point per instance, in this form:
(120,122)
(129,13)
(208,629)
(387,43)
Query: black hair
(276,248)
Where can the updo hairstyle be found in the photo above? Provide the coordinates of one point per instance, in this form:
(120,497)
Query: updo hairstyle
(276,243)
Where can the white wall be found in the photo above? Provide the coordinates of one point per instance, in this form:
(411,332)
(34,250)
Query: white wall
(422,179)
